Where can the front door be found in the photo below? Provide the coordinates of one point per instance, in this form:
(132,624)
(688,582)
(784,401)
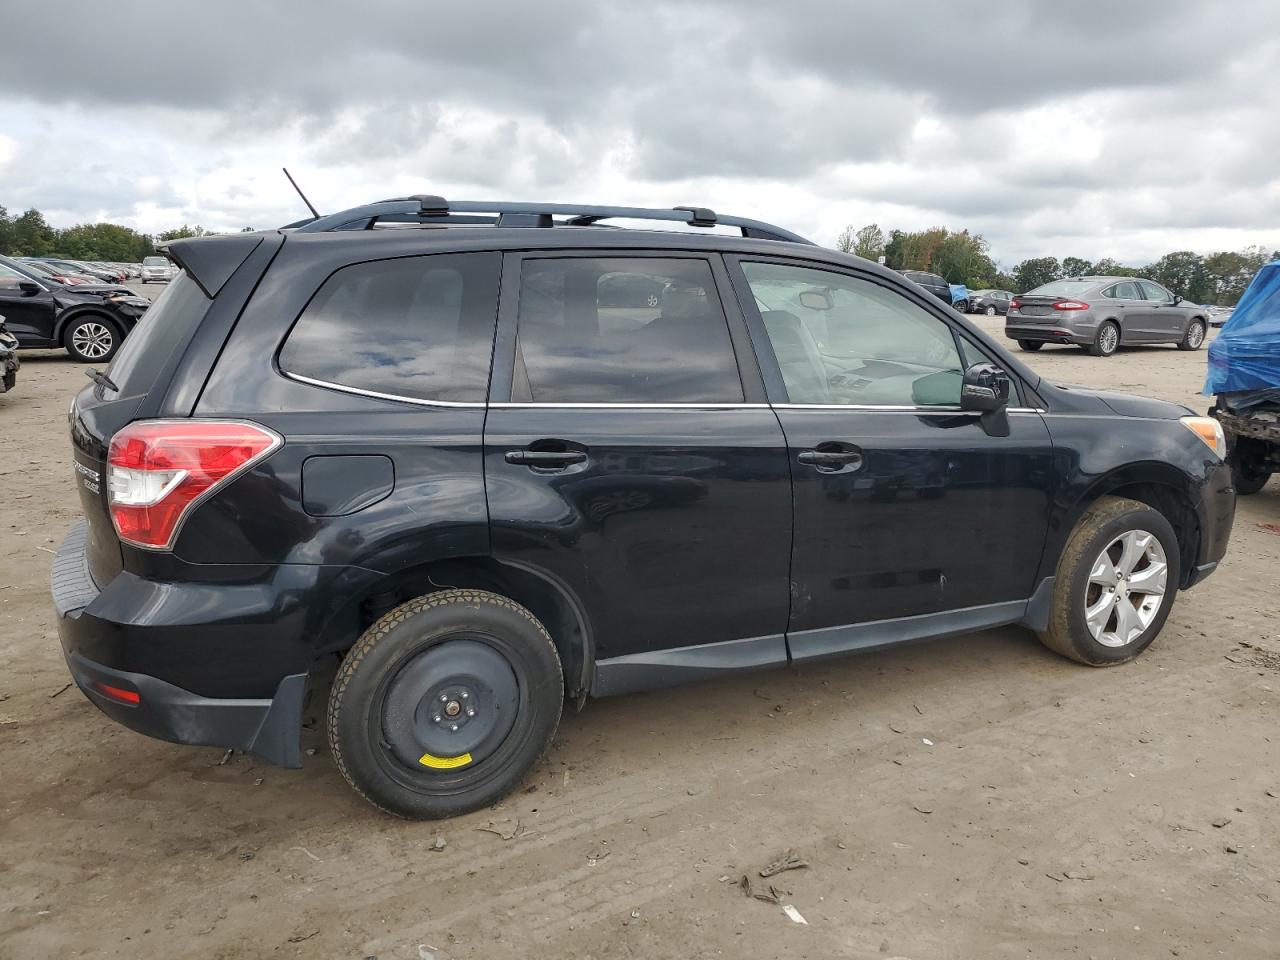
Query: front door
(625,459)
(909,518)
(28,316)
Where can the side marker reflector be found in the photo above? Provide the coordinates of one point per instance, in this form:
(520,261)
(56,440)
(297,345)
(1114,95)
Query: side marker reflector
(131,697)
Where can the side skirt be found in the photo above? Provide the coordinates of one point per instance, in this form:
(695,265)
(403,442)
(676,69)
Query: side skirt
(662,668)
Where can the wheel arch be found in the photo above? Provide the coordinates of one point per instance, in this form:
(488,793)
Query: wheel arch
(1161,486)
(547,597)
(72,314)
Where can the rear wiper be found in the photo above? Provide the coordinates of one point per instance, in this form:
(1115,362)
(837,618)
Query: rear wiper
(101,379)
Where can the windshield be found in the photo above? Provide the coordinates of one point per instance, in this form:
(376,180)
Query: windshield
(1063,288)
(154,262)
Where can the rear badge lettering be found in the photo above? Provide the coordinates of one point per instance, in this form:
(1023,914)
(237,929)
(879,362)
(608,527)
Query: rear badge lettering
(89,478)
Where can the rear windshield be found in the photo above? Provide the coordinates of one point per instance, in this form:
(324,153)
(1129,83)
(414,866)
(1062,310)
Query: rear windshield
(1063,288)
(167,323)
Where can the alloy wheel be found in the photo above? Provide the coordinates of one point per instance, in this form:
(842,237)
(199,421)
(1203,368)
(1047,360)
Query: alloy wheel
(1195,336)
(1127,583)
(1109,339)
(92,340)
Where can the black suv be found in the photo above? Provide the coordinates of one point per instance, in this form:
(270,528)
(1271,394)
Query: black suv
(481,457)
(90,320)
(931,282)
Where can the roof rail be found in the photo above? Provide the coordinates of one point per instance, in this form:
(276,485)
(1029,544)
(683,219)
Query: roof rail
(424,208)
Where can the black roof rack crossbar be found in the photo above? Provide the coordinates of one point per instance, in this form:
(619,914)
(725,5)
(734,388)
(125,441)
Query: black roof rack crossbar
(431,209)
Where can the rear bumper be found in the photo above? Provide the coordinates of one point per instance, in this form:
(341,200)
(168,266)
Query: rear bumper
(106,638)
(1044,333)
(266,728)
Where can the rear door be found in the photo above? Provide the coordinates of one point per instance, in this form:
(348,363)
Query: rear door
(630,455)
(904,506)
(1165,320)
(1124,301)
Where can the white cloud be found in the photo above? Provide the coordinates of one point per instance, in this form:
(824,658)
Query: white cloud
(1094,129)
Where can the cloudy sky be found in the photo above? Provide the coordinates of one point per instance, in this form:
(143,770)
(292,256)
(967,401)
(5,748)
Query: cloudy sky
(1122,128)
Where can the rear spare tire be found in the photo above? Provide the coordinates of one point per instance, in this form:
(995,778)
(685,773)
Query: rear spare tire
(445,703)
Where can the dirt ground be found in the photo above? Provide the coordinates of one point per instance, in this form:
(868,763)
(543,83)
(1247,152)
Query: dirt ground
(976,797)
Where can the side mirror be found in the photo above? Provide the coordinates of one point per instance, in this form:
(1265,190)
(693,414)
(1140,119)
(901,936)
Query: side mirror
(985,389)
(1176,299)
(29,288)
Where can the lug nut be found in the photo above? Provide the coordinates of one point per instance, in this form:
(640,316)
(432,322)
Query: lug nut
(453,727)
(471,712)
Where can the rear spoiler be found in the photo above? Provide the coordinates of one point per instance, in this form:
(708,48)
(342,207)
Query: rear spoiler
(210,261)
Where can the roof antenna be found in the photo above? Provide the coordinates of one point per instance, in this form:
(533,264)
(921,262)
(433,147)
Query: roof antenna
(314,212)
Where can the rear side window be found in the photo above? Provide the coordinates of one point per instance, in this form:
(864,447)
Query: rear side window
(618,330)
(168,322)
(1123,291)
(418,328)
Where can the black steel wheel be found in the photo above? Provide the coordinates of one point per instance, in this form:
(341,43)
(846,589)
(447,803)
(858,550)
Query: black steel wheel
(445,703)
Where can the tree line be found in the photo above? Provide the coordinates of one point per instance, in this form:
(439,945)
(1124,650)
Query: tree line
(30,235)
(964,257)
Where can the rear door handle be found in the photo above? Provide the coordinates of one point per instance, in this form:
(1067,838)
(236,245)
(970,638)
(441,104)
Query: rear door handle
(546,459)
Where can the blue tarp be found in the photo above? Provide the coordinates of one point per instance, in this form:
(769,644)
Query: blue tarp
(1246,354)
(959,292)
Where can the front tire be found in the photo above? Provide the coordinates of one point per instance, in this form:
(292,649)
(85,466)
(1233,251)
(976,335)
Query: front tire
(445,703)
(91,339)
(1193,339)
(1115,583)
(1107,340)
(1031,345)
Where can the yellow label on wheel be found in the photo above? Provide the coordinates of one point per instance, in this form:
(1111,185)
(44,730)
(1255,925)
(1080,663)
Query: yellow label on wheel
(444,763)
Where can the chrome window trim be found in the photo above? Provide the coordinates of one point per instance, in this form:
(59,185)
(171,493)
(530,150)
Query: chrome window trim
(516,405)
(360,392)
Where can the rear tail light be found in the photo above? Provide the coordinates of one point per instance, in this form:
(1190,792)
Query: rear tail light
(1070,305)
(1015,304)
(158,470)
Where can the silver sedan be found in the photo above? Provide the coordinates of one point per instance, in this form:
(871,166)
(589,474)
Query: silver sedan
(1102,314)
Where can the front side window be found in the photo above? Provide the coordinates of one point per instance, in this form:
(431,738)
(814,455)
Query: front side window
(1153,291)
(844,340)
(419,328)
(622,330)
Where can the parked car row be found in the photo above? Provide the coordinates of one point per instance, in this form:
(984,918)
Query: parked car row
(90,320)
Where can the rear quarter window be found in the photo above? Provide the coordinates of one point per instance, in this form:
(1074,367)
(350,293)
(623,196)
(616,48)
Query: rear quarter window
(417,328)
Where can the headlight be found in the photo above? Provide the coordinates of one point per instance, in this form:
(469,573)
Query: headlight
(1210,431)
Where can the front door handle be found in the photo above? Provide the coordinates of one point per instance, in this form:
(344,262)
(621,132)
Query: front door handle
(832,455)
(546,459)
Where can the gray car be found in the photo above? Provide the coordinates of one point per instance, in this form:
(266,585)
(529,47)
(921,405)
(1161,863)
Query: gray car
(1103,313)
